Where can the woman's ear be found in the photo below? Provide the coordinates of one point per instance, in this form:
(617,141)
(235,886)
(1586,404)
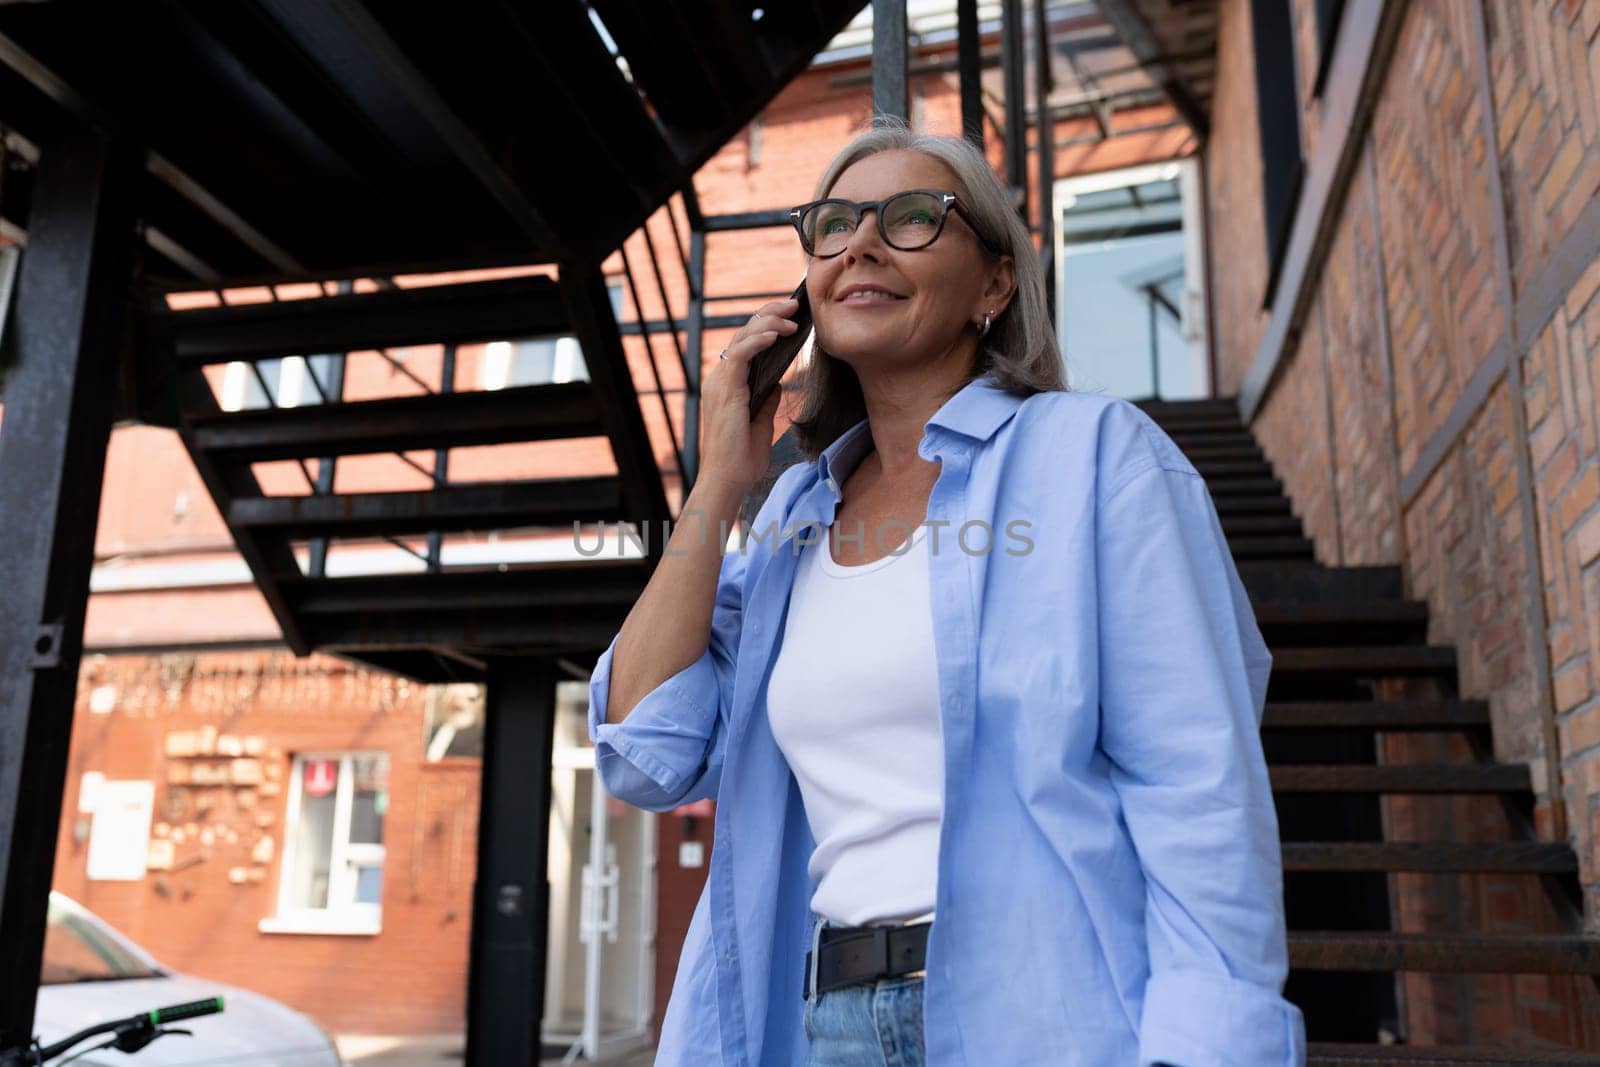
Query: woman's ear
(1001,286)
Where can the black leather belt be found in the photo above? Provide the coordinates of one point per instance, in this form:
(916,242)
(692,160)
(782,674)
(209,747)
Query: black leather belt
(850,954)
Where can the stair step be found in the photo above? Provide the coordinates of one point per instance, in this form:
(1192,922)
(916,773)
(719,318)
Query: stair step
(1443,953)
(448,420)
(1246,486)
(1155,406)
(1186,439)
(1501,857)
(1360,613)
(498,506)
(503,309)
(1400,778)
(1258,547)
(1287,626)
(524,587)
(1205,453)
(1285,525)
(1220,470)
(1366,660)
(1352,1054)
(1389,715)
(1232,506)
(1296,582)
(551,608)
(1201,422)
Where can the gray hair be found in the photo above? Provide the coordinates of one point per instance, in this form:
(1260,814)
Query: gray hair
(1020,349)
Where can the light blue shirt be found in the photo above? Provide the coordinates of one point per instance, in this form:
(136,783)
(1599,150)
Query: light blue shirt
(1110,886)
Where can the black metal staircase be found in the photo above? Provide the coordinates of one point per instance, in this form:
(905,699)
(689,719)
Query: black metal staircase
(366,140)
(1345,642)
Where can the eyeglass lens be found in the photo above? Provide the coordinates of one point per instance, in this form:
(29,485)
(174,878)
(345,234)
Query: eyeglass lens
(910,221)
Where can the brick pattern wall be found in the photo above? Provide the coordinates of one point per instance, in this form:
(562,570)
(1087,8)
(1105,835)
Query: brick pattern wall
(1236,223)
(1407,307)
(202,917)
(1545,64)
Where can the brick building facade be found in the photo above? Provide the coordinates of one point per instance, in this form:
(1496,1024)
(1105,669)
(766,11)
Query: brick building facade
(1423,381)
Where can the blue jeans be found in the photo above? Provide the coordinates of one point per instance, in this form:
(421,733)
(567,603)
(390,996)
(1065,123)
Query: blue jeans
(869,1024)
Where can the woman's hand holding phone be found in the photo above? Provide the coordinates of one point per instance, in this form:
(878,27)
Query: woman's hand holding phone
(737,445)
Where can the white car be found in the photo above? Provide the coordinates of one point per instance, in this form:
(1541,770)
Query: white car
(92,974)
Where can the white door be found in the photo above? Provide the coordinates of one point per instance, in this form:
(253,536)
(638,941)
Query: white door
(600,978)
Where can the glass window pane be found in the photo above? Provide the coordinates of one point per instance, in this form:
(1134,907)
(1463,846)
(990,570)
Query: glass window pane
(369,885)
(75,951)
(369,798)
(1123,286)
(532,362)
(313,841)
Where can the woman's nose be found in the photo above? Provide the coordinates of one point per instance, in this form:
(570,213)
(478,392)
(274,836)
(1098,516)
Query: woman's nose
(866,242)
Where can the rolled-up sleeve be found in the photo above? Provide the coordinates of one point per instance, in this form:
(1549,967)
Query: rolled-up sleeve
(1183,673)
(669,749)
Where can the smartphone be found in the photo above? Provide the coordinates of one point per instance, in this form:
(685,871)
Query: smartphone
(768,367)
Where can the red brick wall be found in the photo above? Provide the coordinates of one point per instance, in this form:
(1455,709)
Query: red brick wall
(1391,458)
(411,977)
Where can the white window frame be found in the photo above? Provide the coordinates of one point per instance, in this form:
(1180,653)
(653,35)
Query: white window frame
(1195,325)
(348,916)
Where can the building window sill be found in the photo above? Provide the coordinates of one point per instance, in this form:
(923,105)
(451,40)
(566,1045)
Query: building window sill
(343,925)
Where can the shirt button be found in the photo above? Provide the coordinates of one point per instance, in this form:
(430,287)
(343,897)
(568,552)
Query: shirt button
(755,628)
(833,485)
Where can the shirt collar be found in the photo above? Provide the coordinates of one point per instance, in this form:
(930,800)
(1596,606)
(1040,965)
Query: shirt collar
(977,410)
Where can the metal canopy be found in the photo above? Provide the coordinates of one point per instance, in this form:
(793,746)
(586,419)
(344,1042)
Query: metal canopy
(337,138)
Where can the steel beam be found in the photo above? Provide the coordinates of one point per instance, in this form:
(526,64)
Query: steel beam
(511,898)
(969,61)
(1130,24)
(1014,76)
(71,313)
(589,308)
(891,92)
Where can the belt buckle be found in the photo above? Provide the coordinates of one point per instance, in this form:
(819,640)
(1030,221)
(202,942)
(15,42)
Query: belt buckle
(814,958)
(880,950)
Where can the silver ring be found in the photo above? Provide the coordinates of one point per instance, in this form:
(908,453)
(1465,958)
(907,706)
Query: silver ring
(723,354)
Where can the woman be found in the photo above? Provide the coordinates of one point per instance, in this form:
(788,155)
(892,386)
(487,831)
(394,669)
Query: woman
(991,792)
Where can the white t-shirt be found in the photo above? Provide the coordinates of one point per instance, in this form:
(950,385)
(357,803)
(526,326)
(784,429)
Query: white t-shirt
(853,703)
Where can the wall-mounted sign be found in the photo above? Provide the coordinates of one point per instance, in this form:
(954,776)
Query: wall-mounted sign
(322,775)
(119,841)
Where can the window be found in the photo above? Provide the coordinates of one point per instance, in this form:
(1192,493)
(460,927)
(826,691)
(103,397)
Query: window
(290,382)
(1278,114)
(539,360)
(1130,283)
(332,876)
(453,721)
(535,362)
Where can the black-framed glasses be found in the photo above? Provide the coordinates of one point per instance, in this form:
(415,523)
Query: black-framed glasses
(907,220)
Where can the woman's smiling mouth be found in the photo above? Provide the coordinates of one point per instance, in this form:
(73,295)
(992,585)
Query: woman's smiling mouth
(858,294)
